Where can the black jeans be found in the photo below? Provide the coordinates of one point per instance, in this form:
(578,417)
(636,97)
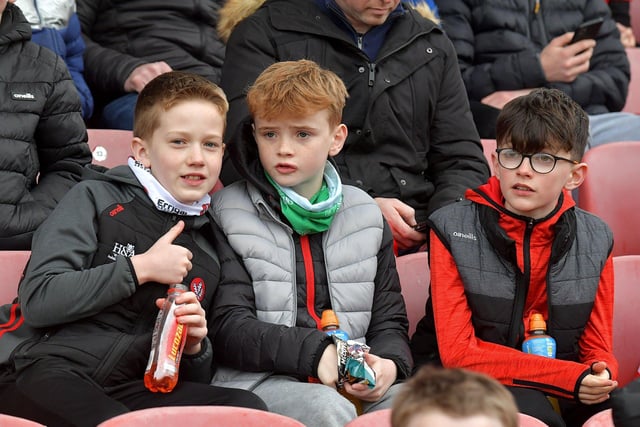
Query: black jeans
(66,398)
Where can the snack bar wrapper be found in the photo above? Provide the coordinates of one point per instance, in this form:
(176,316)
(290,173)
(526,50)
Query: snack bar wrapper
(352,367)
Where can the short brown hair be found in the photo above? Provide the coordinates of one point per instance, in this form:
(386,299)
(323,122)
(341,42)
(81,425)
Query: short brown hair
(297,88)
(543,119)
(455,392)
(167,90)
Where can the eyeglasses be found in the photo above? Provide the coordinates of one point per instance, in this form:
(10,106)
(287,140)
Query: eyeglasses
(540,162)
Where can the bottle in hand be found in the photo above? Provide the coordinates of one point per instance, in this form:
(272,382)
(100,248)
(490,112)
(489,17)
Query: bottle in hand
(167,344)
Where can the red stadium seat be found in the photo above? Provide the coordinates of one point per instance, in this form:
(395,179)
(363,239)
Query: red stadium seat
(633,95)
(200,416)
(110,147)
(601,419)
(9,421)
(626,346)
(381,418)
(413,270)
(610,190)
(12,265)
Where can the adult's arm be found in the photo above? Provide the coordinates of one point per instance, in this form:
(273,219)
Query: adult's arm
(601,89)
(61,140)
(105,69)
(456,159)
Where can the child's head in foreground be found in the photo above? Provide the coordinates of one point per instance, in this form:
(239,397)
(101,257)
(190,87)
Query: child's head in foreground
(179,124)
(453,398)
(296,108)
(550,129)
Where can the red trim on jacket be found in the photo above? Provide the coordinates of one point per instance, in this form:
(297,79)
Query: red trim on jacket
(309,272)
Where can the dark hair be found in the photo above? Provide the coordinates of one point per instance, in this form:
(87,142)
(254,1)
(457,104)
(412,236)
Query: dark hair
(455,392)
(168,89)
(544,119)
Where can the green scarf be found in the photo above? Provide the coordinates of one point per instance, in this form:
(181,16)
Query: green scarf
(316,214)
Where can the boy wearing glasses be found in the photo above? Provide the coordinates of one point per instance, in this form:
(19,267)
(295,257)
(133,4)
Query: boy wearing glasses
(516,246)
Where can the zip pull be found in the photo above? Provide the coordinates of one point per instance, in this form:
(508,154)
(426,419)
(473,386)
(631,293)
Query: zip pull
(372,74)
(536,7)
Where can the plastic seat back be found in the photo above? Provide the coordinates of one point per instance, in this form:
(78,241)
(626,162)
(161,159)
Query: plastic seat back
(601,419)
(626,345)
(9,421)
(110,147)
(414,273)
(200,416)
(12,265)
(633,95)
(381,418)
(529,421)
(610,191)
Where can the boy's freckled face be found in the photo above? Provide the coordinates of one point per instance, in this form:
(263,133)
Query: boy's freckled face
(185,151)
(529,193)
(294,151)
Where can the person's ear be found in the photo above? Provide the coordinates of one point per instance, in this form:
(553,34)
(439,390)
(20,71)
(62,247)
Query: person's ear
(576,176)
(140,150)
(496,165)
(339,138)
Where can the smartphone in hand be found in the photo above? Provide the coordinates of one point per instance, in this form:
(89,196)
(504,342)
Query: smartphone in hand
(587,30)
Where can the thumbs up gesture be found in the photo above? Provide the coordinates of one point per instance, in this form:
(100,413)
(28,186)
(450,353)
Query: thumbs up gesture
(164,262)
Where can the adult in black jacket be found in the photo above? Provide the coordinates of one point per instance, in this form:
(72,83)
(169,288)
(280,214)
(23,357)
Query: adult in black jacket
(42,135)
(506,49)
(412,144)
(129,42)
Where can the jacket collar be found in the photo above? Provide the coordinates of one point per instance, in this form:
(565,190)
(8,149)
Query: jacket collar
(558,228)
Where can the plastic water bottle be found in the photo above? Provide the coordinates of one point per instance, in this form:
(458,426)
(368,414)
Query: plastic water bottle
(538,341)
(167,344)
(331,326)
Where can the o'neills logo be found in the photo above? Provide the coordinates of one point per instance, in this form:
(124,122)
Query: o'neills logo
(26,96)
(469,236)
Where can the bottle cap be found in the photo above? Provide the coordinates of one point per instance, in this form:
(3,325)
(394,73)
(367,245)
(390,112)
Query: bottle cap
(536,322)
(329,318)
(179,287)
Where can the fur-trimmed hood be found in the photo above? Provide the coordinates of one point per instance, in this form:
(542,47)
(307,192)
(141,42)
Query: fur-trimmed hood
(235,11)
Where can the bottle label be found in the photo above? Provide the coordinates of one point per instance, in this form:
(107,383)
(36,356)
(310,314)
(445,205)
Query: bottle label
(541,346)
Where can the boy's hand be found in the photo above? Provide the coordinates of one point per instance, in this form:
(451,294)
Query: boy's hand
(386,373)
(189,312)
(328,366)
(401,219)
(597,386)
(164,262)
